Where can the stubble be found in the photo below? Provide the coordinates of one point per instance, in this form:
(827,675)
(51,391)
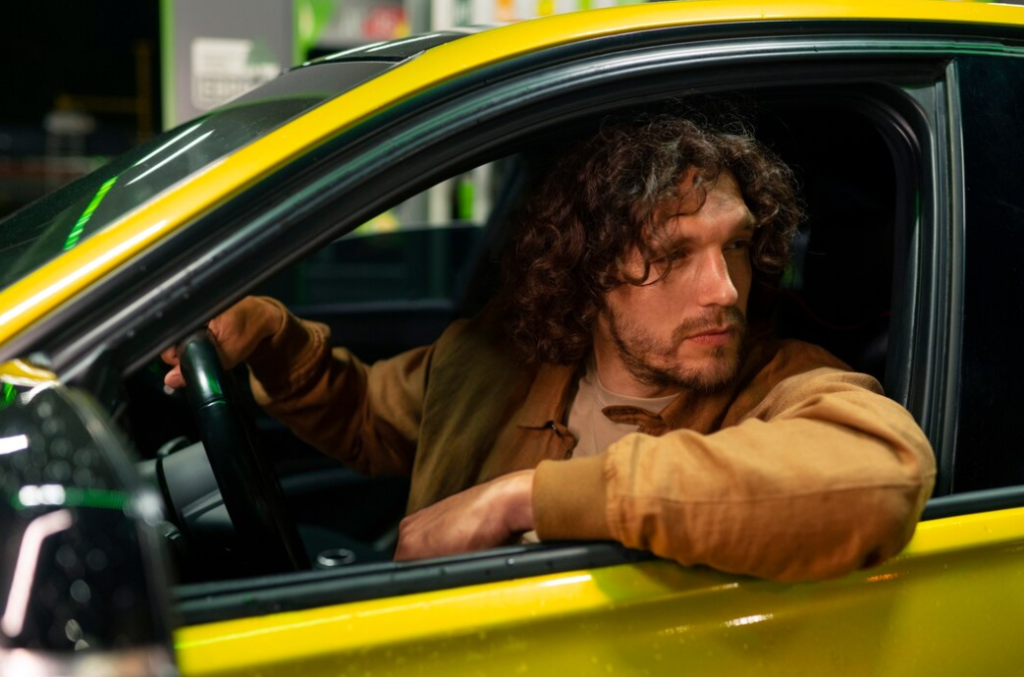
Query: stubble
(637,347)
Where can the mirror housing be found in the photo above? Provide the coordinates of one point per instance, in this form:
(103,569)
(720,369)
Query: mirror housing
(83,585)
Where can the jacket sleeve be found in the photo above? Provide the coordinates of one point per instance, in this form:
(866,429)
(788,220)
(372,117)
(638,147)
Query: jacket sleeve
(825,476)
(366,416)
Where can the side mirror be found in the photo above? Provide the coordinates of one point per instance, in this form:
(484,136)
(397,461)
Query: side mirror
(83,589)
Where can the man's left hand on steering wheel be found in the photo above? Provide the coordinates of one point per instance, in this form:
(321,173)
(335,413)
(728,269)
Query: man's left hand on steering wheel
(236,333)
(248,487)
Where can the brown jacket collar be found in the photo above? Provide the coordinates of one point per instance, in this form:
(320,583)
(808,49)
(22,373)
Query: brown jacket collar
(553,386)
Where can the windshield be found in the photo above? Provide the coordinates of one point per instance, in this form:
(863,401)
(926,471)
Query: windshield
(59,222)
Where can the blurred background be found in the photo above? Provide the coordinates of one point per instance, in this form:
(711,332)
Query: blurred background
(81,84)
(85,81)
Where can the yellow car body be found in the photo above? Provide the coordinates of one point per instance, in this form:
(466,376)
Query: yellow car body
(950,604)
(930,610)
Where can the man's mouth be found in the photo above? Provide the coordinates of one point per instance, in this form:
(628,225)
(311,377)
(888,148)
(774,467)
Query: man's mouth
(713,337)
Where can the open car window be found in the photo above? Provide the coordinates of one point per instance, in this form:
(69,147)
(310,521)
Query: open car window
(396,283)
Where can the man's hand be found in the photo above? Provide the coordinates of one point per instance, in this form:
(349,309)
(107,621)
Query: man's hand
(483,517)
(236,332)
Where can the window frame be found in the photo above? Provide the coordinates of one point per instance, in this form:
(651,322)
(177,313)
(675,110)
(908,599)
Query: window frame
(306,205)
(952,502)
(716,73)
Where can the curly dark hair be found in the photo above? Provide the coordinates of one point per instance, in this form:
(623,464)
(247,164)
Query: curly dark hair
(602,198)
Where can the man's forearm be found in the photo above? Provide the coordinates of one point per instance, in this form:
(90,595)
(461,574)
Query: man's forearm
(324,396)
(825,487)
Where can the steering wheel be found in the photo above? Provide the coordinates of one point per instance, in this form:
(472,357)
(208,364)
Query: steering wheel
(268,540)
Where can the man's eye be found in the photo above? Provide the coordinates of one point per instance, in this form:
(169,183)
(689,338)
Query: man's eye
(670,258)
(738,245)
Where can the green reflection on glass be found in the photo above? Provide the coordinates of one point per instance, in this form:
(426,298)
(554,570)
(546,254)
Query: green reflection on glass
(76,232)
(75,497)
(8,397)
(96,498)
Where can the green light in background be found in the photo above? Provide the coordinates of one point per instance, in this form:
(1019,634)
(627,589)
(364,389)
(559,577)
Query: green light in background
(311,18)
(464,194)
(76,232)
(9,393)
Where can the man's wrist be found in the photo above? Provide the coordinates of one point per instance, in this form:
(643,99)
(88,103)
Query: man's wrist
(272,315)
(518,488)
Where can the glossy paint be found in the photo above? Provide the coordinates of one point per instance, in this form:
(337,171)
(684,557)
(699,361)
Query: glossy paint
(915,615)
(46,289)
(22,373)
(929,611)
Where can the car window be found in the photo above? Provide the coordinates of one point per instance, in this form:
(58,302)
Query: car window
(399,280)
(44,230)
(992,106)
(421,249)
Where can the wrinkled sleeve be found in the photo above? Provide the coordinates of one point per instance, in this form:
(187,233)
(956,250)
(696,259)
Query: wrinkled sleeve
(366,416)
(824,477)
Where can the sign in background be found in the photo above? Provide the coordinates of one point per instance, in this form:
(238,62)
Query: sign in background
(214,50)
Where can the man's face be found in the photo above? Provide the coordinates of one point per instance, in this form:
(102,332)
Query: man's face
(685,329)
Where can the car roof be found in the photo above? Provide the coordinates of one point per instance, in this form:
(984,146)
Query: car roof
(40,292)
(395,50)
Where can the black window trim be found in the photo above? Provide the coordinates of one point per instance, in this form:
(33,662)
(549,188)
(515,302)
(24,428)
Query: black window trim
(211,602)
(954,502)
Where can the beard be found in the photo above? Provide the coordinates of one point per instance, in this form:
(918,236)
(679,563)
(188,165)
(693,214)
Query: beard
(638,348)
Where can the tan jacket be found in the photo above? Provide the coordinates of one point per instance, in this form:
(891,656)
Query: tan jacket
(800,470)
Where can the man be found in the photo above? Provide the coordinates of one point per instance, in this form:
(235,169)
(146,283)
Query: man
(614,389)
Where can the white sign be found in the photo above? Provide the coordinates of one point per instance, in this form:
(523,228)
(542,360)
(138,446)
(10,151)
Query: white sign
(224,68)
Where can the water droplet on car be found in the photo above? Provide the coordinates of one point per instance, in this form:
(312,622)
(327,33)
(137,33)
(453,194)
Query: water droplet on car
(73,630)
(66,556)
(96,560)
(80,592)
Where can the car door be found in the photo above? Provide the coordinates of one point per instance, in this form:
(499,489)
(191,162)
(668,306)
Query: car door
(586,608)
(954,586)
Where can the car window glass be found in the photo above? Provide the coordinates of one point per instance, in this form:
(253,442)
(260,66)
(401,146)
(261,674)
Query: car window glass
(33,236)
(992,105)
(44,230)
(422,249)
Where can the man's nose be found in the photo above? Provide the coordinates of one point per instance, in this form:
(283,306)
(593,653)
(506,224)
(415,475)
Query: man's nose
(716,287)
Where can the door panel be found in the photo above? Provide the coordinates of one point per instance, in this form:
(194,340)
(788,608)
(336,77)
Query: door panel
(929,611)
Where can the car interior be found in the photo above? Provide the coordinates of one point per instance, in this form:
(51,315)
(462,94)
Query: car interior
(386,292)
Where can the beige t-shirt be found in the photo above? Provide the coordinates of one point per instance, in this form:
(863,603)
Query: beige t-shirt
(593,430)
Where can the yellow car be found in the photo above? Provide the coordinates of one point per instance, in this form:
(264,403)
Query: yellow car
(371,190)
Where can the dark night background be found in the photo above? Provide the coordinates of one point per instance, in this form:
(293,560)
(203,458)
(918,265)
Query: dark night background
(102,58)
(99,59)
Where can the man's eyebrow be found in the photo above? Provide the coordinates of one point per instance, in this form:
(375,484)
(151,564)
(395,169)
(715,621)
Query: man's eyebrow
(677,241)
